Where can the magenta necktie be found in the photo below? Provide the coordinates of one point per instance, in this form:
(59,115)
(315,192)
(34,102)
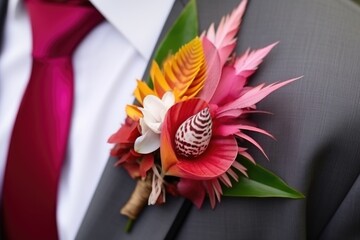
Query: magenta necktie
(39,138)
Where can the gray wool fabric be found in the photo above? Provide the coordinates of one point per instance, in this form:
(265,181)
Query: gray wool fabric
(316,123)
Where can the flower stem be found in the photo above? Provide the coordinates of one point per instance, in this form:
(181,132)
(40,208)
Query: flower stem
(137,201)
(129,225)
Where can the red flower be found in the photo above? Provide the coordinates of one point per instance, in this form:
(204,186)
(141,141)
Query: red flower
(136,164)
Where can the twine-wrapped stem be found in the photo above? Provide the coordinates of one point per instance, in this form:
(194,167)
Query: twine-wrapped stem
(137,200)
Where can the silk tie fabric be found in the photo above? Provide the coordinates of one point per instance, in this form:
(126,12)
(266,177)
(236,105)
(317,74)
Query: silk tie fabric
(39,138)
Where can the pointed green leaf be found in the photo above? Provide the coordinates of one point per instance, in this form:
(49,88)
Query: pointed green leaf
(260,183)
(184,29)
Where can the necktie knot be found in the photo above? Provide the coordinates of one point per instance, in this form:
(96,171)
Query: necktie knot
(58,28)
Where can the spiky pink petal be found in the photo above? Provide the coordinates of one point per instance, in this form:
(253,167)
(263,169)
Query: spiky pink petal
(255,129)
(210,34)
(248,63)
(231,113)
(217,188)
(256,111)
(224,178)
(251,140)
(226,130)
(211,193)
(232,174)
(247,155)
(254,95)
(225,37)
(240,167)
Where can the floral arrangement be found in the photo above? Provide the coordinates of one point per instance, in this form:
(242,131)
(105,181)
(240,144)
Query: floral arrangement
(184,135)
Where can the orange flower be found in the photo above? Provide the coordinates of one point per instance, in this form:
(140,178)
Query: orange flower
(183,73)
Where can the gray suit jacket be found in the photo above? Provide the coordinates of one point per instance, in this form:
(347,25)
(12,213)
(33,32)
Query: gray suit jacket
(316,123)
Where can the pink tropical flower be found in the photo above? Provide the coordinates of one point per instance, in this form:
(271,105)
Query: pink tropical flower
(201,160)
(220,151)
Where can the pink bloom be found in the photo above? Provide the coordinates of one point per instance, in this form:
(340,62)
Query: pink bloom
(214,161)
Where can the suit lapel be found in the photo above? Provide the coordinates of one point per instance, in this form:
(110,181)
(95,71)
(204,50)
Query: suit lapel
(330,176)
(103,220)
(3,8)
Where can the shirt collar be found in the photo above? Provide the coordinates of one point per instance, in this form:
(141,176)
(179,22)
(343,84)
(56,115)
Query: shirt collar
(140,21)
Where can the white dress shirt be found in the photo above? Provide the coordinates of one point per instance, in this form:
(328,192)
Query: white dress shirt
(106,65)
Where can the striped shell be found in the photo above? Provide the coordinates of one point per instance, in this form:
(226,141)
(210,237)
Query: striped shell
(193,136)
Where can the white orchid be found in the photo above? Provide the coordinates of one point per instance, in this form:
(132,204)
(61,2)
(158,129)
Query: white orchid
(154,111)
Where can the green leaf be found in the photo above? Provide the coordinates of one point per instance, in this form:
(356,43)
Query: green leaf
(184,29)
(260,183)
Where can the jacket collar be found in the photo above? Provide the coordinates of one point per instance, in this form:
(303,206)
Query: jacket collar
(141,33)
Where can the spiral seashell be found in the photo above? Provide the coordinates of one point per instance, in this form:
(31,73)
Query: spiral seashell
(193,136)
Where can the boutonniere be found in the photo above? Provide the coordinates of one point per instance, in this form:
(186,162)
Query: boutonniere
(184,136)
